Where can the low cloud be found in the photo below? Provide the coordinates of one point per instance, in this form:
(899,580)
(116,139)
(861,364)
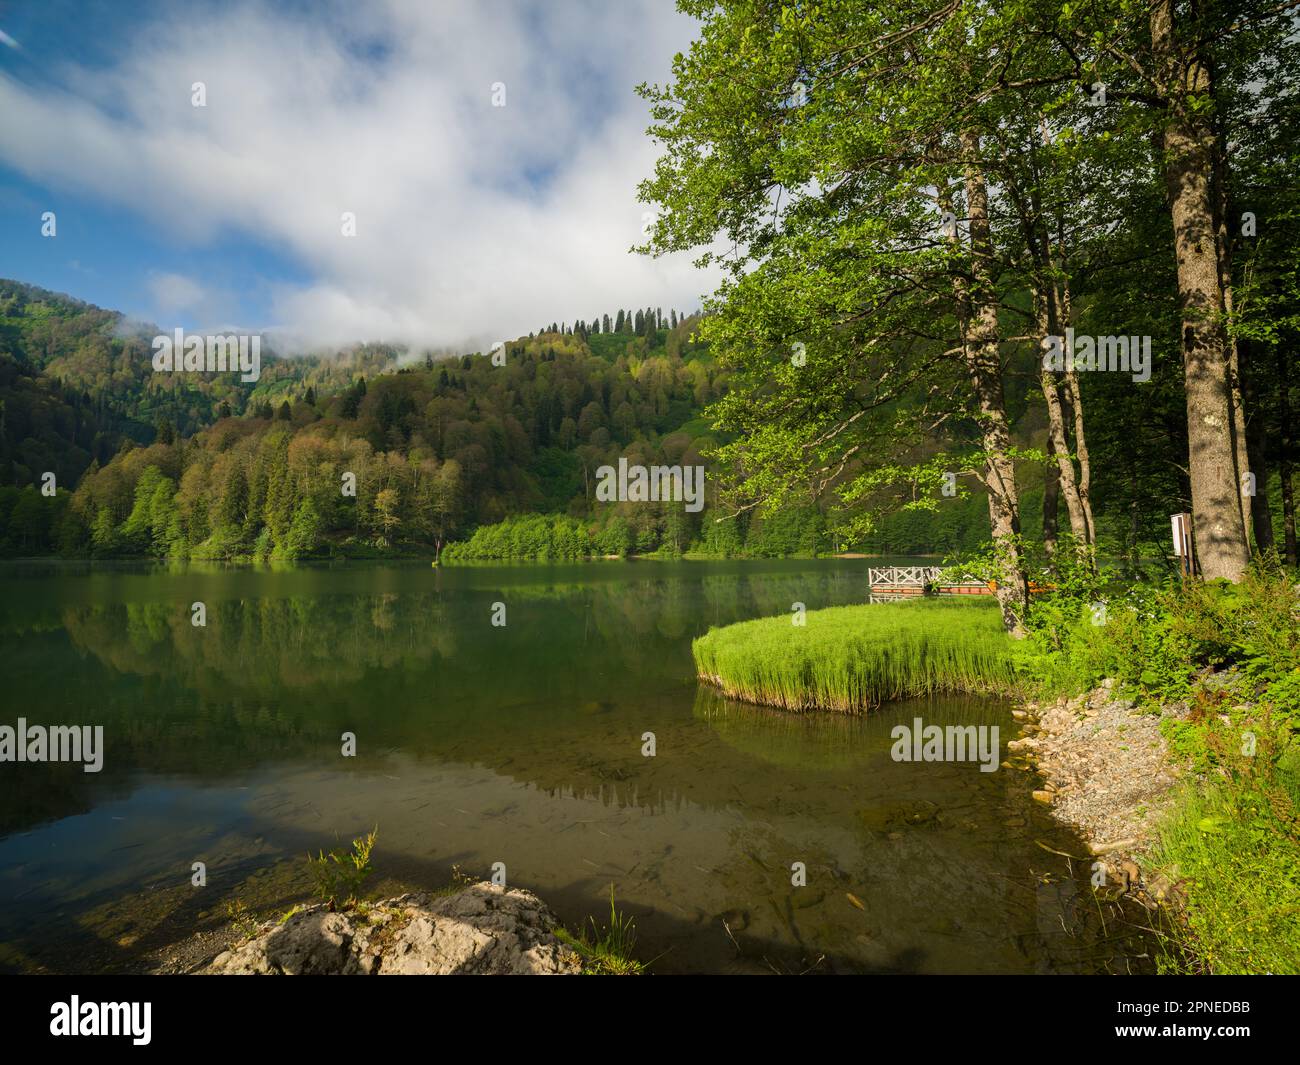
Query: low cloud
(473,222)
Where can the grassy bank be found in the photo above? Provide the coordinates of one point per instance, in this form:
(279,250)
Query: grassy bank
(1226,657)
(1229,656)
(853,658)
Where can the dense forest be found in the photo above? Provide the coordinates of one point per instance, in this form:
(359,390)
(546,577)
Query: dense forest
(407,452)
(77,385)
(440,449)
(496,460)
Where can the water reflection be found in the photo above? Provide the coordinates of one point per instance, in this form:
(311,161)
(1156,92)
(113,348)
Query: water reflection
(518,744)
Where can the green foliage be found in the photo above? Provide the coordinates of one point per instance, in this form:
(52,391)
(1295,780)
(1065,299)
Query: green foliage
(534,536)
(1230,655)
(793,531)
(31,524)
(241,918)
(340,873)
(1234,849)
(721,538)
(303,535)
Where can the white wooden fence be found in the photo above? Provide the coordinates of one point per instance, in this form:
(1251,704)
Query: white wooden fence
(896,581)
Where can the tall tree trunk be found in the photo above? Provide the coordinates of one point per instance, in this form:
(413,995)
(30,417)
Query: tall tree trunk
(984,364)
(1223,241)
(1220,531)
(1261,513)
(1051,500)
(1241,448)
(1062,477)
(1284,453)
(1061,480)
(1074,397)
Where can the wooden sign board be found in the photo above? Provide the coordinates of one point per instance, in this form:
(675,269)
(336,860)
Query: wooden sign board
(1182,528)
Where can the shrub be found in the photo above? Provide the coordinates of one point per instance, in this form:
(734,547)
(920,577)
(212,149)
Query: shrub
(340,873)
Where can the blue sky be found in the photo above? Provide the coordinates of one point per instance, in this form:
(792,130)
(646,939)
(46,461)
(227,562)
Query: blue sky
(473,222)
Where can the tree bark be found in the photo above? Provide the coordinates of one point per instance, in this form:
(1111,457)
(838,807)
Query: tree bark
(1051,500)
(1284,454)
(1062,479)
(983,361)
(1188,146)
(1240,445)
(1074,397)
(1059,479)
(1261,513)
(1235,385)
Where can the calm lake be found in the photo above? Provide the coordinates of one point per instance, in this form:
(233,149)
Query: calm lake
(518,744)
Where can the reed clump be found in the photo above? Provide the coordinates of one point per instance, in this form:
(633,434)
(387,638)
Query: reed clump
(853,658)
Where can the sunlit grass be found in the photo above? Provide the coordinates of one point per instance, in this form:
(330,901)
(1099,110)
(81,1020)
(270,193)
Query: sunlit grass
(607,952)
(853,658)
(1234,851)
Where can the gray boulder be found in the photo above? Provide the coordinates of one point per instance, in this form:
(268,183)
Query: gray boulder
(481,929)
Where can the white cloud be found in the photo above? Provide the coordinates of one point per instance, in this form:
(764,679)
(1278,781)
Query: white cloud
(473,222)
(175,294)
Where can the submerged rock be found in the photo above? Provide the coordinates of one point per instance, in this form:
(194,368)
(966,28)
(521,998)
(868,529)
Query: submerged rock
(481,929)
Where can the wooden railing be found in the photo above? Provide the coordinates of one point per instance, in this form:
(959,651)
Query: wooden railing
(916,577)
(902,576)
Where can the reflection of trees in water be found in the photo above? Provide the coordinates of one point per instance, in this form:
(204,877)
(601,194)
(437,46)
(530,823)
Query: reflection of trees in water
(278,678)
(672,611)
(423,670)
(263,645)
(760,595)
(792,741)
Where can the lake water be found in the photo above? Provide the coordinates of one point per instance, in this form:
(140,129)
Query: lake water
(519,744)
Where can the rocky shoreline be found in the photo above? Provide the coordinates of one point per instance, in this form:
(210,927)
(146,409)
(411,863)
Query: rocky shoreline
(1107,774)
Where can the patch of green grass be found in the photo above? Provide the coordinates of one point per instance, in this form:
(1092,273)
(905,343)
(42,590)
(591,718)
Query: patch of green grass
(1234,847)
(853,658)
(608,952)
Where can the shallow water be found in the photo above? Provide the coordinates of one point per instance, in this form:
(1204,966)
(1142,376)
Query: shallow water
(518,744)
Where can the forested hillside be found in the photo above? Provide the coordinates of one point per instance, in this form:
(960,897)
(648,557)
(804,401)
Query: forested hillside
(77,384)
(498,457)
(410,455)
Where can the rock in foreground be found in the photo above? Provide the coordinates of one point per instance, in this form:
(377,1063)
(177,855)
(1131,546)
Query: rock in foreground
(480,930)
